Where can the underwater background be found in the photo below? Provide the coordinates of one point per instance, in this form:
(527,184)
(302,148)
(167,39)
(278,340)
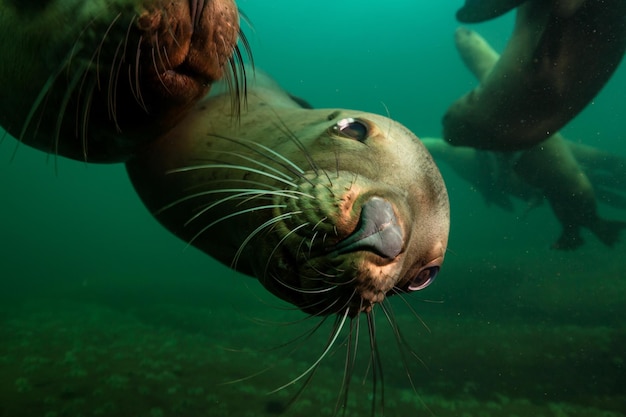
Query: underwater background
(104,313)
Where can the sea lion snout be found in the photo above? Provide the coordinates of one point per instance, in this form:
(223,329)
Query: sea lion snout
(378,231)
(112,75)
(193,40)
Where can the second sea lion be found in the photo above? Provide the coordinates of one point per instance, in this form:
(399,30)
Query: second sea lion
(549,168)
(94,80)
(561,53)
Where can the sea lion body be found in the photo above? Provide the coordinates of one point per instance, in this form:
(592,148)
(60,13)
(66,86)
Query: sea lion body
(549,167)
(95,80)
(559,56)
(329,209)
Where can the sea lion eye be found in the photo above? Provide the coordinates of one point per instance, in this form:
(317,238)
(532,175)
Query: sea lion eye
(352,129)
(424,278)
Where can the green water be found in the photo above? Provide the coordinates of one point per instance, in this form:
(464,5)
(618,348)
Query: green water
(104,313)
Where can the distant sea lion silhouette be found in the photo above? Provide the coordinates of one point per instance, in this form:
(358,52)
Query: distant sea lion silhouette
(95,80)
(550,167)
(332,210)
(561,53)
(474,11)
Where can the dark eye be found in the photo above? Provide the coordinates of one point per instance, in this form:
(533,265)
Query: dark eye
(352,129)
(424,278)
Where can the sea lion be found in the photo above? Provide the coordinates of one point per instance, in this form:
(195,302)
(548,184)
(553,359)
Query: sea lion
(549,167)
(561,53)
(474,11)
(332,210)
(94,80)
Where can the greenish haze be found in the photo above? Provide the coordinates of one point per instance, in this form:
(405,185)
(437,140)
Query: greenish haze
(104,313)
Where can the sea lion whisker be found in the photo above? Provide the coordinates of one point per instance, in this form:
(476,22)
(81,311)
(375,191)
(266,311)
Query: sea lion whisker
(157,71)
(101,44)
(320,290)
(280,242)
(323,275)
(43,93)
(136,82)
(334,334)
(349,362)
(239,82)
(401,296)
(241,192)
(114,77)
(311,241)
(301,338)
(63,106)
(86,113)
(229,216)
(254,161)
(196,11)
(266,224)
(376,363)
(282,126)
(234,167)
(207,207)
(273,155)
(403,347)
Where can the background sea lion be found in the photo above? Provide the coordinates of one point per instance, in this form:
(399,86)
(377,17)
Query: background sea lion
(549,168)
(561,53)
(94,80)
(474,11)
(332,210)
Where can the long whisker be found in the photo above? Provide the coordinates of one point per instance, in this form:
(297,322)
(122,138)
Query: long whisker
(377,369)
(63,106)
(268,153)
(282,126)
(400,294)
(254,161)
(351,348)
(265,225)
(234,167)
(329,345)
(300,339)
(41,96)
(241,193)
(403,347)
(229,216)
(280,242)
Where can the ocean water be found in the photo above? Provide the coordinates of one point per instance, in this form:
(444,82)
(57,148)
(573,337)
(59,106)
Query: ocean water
(104,313)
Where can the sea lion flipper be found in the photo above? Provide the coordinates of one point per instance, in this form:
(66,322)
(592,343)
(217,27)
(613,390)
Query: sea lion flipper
(607,231)
(475,11)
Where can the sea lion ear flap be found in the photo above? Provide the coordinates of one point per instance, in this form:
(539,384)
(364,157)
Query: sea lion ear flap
(475,11)
(301,102)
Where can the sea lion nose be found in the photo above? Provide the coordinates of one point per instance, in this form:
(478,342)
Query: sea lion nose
(378,231)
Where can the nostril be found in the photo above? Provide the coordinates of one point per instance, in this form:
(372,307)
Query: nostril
(378,231)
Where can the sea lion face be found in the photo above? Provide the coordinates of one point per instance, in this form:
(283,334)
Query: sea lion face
(332,210)
(372,219)
(94,80)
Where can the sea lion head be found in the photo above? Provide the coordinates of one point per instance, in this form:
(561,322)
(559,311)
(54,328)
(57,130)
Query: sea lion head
(94,80)
(372,221)
(332,210)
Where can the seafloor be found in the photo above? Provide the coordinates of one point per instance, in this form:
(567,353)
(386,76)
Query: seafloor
(532,339)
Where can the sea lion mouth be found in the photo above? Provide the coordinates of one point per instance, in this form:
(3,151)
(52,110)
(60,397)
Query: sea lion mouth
(190,43)
(378,231)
